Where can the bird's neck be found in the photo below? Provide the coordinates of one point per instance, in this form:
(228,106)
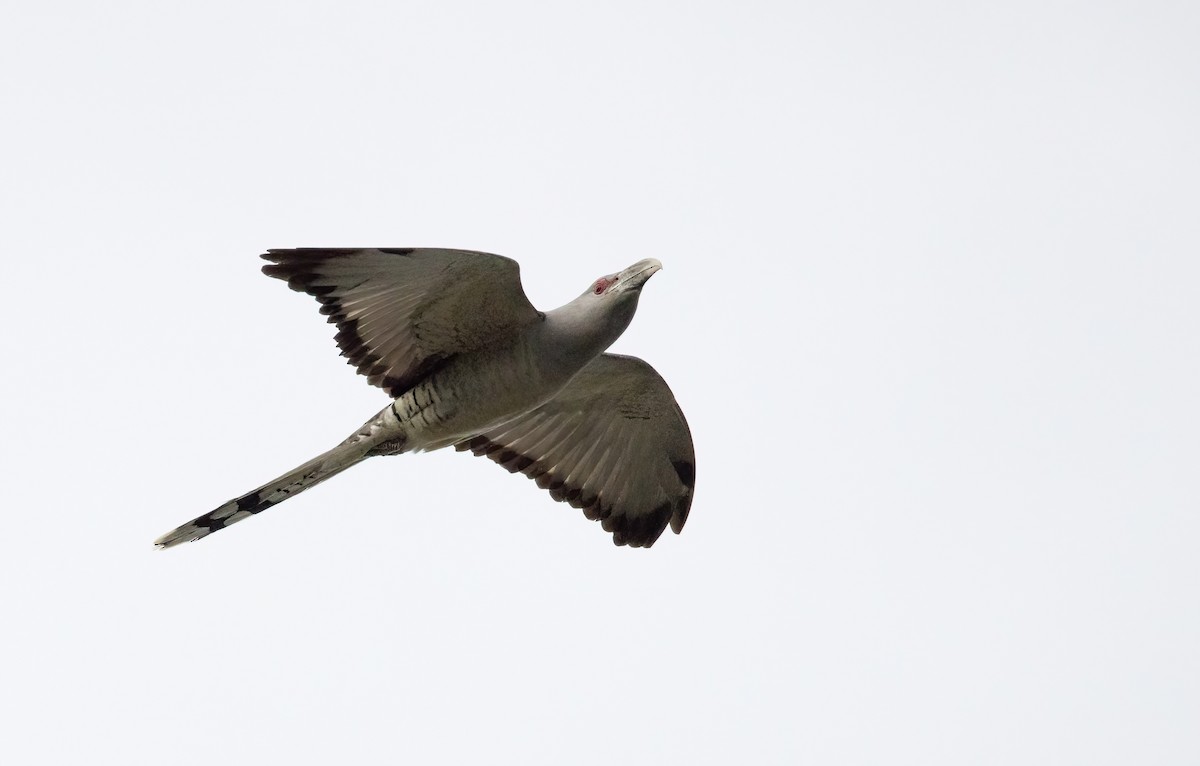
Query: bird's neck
(575,334)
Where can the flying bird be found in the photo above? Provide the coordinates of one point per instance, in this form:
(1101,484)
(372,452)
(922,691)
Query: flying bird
(470,363)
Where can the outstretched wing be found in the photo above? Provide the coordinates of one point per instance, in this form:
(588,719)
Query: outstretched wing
(401,312)
(613,442)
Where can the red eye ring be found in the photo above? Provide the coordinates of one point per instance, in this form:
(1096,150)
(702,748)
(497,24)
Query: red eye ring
(602,284)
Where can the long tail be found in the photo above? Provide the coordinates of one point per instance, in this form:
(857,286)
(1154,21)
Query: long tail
(273,492)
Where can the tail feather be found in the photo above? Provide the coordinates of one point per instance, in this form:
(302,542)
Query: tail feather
(272,493)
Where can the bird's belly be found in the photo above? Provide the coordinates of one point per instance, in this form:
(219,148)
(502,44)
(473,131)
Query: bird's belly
(472,395)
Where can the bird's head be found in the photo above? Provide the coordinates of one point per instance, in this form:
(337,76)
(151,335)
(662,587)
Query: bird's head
(590,323)
(612,300)
(624,284)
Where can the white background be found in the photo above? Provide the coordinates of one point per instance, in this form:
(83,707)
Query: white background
(931,303)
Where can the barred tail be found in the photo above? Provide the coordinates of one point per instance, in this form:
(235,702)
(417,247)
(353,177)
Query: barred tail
(273,492)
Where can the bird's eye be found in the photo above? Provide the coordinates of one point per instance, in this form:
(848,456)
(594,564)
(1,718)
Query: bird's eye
(602,284)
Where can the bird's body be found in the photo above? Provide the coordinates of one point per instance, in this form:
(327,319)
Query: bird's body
(470,363)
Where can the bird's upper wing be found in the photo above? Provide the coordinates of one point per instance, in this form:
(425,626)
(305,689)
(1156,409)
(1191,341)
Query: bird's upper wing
(400,312)
(613,442)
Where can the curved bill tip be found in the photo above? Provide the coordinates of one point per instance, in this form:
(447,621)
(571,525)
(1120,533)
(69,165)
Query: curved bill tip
(639,272)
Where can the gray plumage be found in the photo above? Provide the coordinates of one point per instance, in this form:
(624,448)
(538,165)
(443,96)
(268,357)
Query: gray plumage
(470,363)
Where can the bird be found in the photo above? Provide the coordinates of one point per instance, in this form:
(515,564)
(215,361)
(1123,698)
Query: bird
(469,363)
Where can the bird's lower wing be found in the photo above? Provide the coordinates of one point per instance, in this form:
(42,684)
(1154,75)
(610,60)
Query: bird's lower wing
(613,442)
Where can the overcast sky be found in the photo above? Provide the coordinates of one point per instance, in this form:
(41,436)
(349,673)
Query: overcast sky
(931,304)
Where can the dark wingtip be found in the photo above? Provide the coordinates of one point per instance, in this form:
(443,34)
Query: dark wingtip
(679,518)
(276,255)
(686,471)
(275,268)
